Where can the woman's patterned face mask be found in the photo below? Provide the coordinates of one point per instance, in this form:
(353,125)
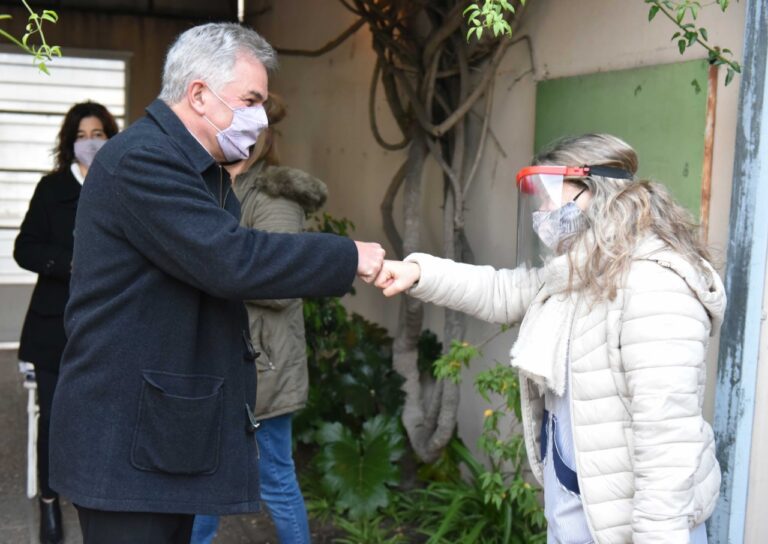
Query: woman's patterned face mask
(555,226)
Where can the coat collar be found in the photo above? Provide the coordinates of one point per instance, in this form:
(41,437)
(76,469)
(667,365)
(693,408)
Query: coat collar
(170,123)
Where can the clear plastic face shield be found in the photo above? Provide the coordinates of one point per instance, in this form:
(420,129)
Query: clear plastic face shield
(549,217)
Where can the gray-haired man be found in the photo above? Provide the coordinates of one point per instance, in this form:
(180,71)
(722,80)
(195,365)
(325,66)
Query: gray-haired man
(152,420)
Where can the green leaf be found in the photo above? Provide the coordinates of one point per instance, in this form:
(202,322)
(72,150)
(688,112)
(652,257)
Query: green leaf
(448,519)
(332,432)
(729,76)
(471,7)
(696,86)
(652,12)
(681,44)
(704,35)
(463,453)
(359,469)
(473,534)
(507,523)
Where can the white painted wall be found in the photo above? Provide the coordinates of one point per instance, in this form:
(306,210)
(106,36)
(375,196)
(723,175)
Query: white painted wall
(327,133)
(757,498)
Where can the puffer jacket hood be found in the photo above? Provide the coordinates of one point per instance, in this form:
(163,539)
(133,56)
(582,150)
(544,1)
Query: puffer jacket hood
(283,181)
(705,282)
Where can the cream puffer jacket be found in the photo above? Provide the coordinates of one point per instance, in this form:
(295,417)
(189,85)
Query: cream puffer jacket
(645,457)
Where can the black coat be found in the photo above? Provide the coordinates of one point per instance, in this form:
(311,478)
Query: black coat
(151,411)
(44,246)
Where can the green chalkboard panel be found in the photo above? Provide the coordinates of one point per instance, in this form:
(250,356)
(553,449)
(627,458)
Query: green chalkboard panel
(657,109)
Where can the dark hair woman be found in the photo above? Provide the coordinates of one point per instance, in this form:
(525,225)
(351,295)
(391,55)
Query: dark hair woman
(44,245)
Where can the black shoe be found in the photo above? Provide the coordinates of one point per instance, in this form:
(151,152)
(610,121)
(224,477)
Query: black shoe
(50,522)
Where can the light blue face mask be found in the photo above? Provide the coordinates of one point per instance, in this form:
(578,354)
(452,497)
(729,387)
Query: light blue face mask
(247,124)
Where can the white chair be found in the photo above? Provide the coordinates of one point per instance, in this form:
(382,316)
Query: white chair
(33,413)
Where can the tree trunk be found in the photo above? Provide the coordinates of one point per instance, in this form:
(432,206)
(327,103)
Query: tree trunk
(405,350)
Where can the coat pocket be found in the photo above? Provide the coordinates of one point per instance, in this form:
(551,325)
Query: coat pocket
(179,424)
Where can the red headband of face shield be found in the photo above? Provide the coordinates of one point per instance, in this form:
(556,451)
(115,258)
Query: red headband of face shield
(526,176)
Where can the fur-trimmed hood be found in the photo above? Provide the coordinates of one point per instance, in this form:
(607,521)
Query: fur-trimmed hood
(283,181)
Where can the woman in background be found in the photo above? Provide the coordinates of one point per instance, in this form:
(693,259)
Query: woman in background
(276,198)
(44,245)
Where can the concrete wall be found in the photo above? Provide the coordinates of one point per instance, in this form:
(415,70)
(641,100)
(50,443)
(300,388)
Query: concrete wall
(14,300)
(327,129)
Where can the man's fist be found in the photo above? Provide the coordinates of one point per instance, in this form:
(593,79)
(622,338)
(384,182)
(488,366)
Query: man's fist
(370,257)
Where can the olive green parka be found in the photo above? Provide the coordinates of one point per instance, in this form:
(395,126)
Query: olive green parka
(278,199)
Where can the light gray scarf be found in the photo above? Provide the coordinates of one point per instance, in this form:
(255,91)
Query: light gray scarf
(541,350)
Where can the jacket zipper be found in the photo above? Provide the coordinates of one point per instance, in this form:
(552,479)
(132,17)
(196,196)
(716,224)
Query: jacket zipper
(222,194)
(573,427)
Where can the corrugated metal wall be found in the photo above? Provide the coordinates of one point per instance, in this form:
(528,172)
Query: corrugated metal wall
(32,107)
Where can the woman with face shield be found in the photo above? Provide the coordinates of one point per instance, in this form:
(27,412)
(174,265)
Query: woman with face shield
(616,301)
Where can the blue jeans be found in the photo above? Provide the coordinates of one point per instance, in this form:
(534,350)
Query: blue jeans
(279,488)
(204,529)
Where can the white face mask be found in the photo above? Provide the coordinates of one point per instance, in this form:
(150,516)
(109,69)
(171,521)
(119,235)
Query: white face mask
(243,132)
(554,226)
(86,149)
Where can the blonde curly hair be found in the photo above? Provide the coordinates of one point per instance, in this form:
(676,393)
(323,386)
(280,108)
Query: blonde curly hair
(621,214)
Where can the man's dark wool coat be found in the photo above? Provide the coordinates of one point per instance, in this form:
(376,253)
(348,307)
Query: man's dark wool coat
(152,409)
(44,246)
